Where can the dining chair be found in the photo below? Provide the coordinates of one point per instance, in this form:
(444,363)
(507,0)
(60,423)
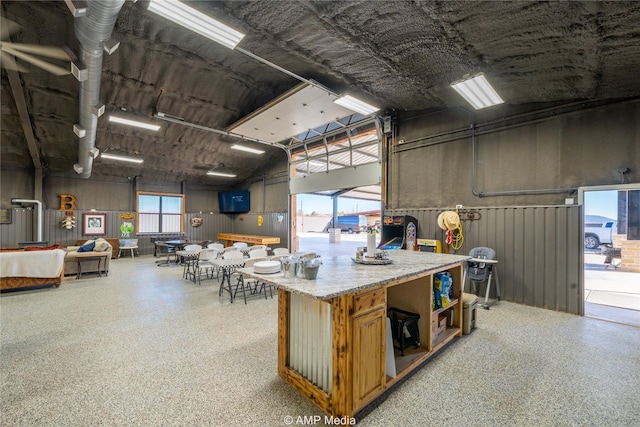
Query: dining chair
(217,246)
(241,245)
(258,253)
(232,255)
(229,255)
(281,251)
(242,283)
(203,261)
(263,286)
(188,257)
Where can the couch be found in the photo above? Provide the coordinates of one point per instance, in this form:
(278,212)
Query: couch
(23,268)
(71,258)
(115,245)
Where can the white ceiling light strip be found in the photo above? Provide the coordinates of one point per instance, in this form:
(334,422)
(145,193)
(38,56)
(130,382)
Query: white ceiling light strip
(247,149)
(356,105)
(226,175)
(206,26)
(196,21)
(121,158)
(123,121)
(477,91)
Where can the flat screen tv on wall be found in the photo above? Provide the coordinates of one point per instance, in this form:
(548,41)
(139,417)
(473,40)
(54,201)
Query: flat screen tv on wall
(234,201)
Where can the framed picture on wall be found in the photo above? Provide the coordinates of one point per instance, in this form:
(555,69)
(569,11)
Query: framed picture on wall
(94,224)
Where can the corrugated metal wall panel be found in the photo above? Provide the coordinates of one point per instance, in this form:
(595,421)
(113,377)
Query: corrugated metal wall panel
(538,249)
(57,234)
(550,257)
(529,246)
(561,259)
(575,248)
(519,239)
(212,224)
(270,226)
(20,229)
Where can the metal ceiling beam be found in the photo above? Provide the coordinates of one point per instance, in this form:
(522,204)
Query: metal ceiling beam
(23,113)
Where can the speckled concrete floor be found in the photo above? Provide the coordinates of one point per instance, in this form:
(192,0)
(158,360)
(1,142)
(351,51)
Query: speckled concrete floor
(144,347)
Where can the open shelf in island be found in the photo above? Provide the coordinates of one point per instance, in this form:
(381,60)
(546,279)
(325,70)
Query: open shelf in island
(332,337)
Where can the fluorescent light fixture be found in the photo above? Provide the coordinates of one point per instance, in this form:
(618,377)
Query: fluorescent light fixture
(247,149)
(196,21)
(121,158)
(135,123)
(317,163)
(226,175)
(356,105)
(477,91)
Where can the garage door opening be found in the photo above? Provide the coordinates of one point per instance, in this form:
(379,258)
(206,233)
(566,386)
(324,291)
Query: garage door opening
(611,276)
(356,217)
(341,166)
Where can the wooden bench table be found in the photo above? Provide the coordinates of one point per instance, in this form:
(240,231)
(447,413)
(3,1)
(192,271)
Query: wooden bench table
(229,238)
(92,256)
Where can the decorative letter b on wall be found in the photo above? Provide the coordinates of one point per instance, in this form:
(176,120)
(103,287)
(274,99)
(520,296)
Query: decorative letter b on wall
(67,202)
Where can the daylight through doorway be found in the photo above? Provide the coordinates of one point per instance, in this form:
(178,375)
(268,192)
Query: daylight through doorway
(611,292)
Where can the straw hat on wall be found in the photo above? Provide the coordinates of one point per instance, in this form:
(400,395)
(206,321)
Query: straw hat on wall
(448,220)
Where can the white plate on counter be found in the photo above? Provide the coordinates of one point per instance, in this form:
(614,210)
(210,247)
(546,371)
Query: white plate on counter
(266,267)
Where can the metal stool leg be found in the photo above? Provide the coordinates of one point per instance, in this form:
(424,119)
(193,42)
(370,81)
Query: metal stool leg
(486,295)
(497,282)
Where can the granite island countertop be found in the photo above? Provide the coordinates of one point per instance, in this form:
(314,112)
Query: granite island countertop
(339,275)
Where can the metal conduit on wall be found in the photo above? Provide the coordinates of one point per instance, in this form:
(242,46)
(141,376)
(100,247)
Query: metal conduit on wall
(525,119)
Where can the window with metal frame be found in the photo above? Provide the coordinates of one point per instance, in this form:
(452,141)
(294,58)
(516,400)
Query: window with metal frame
(344,146)
(159,213)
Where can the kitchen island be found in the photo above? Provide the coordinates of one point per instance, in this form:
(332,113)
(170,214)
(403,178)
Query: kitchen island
(333,341)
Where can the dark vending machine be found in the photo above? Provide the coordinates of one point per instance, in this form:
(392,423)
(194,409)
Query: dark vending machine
(398,232)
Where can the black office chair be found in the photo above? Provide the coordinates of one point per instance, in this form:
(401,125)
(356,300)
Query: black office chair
(478,271)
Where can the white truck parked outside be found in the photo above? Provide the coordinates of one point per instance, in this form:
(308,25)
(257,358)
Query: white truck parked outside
(598,230)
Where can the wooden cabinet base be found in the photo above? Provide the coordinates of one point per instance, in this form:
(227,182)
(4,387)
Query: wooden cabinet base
(334,351)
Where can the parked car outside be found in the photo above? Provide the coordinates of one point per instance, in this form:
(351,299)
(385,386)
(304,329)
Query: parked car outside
(349,223)
(598,230)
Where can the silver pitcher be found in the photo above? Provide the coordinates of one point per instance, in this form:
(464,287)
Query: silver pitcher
(300,267)
(289,265)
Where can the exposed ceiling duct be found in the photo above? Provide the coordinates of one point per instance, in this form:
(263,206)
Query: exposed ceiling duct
(92,29)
